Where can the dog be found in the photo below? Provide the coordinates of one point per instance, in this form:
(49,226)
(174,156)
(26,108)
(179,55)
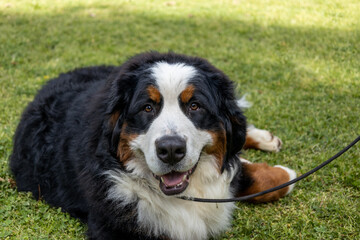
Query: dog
(117,146)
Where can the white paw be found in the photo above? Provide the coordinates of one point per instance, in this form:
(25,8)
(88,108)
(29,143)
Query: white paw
(266,141)
(292,175)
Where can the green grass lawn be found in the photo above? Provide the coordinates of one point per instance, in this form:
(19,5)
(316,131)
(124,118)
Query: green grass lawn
(297,61)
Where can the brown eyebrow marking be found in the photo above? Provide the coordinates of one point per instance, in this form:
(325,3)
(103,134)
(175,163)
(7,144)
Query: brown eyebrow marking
(187,94)
(154,93)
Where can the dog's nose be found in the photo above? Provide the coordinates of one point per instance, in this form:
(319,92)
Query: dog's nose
(170,149)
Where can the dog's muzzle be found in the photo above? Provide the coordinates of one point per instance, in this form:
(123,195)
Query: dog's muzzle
(170,149)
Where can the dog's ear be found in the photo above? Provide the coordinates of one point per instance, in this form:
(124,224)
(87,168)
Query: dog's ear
(115,125)
(235,125)
(231,114)
(120,87)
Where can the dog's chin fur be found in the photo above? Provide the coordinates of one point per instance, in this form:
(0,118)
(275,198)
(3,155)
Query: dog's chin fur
(177,218)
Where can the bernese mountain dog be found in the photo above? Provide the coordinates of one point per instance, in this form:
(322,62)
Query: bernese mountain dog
(117,146)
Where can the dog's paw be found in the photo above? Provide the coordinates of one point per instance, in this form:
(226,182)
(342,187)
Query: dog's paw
(262,139)
(269,142)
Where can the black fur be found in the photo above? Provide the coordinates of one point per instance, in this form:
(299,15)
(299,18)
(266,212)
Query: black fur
(65,142)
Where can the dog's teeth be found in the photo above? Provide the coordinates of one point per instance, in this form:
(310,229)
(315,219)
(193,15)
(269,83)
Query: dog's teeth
(184,178)
(161,178)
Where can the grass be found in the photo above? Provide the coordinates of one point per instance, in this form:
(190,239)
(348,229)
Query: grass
(298,62)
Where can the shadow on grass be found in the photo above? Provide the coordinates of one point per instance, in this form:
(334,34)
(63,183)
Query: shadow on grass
(74,38)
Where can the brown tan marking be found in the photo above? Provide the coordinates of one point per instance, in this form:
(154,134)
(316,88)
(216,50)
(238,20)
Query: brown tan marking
(187,94)
(265,177)
(218,148)
(154,94)
(124,151)
(250,143)
(113,118)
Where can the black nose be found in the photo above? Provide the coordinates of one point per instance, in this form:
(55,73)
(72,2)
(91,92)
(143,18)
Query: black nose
(170,149)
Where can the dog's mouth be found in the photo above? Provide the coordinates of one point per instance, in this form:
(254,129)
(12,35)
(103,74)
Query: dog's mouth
(174,182)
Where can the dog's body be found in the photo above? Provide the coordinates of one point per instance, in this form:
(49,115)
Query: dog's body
(116,146)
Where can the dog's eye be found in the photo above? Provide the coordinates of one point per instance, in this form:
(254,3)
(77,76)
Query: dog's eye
(194,106)
(148,108)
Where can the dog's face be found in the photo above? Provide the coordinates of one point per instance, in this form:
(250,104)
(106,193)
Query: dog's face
(176,112)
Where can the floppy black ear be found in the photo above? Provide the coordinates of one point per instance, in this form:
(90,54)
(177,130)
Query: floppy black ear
(235,125)
(232,116)
(115,136)
(121,87)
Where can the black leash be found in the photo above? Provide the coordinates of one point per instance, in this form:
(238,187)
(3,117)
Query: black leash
(244,198)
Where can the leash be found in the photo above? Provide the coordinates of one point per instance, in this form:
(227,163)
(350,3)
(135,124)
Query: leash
(244,198)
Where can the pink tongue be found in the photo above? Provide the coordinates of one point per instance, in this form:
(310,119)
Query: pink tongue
(173,178)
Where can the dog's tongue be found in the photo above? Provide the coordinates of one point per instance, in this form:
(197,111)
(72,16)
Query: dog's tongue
(173,178)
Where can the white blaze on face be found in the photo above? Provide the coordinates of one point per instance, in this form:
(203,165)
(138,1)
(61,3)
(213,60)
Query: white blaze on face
(172,79)
(173,217)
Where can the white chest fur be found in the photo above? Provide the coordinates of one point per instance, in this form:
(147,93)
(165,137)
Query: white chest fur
(167,215)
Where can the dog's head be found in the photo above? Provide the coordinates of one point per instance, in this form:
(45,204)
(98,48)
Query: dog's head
(170,112)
